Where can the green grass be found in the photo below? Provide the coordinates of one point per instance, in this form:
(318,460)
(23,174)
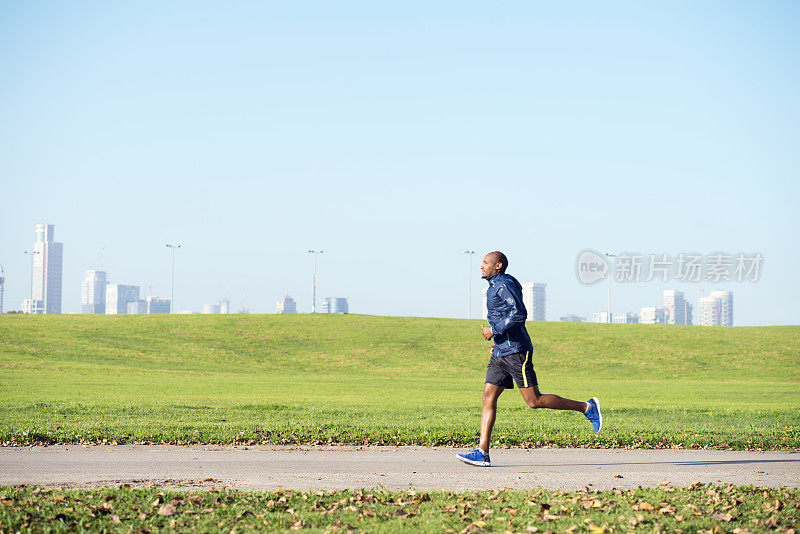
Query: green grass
(362,379)
(695,509)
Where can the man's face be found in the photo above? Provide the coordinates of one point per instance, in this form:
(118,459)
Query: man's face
(490,266)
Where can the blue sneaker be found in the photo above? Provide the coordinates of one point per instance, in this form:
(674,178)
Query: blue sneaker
(594,414)
(475,457)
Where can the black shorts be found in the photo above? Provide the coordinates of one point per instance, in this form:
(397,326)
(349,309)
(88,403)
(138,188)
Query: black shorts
(506,370)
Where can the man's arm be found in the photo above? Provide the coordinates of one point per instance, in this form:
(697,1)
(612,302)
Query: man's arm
(516,313)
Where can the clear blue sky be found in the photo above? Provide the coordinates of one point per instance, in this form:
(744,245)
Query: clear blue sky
(394,137)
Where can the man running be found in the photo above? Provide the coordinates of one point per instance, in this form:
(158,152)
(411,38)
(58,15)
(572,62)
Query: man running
(511,357)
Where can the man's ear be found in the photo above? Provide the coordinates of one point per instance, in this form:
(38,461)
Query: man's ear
(499,266)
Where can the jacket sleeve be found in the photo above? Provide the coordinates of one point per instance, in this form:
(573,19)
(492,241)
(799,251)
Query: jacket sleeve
(516,310)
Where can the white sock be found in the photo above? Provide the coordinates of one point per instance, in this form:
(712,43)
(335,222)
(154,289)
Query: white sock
(588,407)
(482,451)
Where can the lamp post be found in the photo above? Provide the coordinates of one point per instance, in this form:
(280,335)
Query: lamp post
(314,281)
(172,282)
(469,254)
(30,302)
(609,287)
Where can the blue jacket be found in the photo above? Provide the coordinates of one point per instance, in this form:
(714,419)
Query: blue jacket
(506,314)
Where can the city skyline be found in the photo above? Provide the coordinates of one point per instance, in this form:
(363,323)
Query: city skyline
(396,138)
(715,308)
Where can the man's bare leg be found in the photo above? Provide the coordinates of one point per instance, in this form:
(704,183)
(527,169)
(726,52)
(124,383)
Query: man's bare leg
(490,396)
(535,399)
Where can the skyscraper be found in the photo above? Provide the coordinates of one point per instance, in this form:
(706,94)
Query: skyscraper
(725,299)
(716,309)
(286,305)
(335,305)
(224,306)
(93,292)
(118,296)
(534,298)
(679,310)
(47,270)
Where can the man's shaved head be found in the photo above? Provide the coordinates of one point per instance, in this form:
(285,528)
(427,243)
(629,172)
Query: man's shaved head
(498,257)
(490,261)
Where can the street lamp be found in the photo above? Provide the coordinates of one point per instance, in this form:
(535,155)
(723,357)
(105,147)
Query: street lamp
(469,254)
(314,281)
(172,283)
(609,286)
(30,302)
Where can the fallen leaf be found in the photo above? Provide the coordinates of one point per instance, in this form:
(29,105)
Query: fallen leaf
(721,517)
(115,518)
(166,510)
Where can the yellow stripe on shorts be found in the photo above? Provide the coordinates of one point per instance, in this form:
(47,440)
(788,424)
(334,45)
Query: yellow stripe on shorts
(524,376)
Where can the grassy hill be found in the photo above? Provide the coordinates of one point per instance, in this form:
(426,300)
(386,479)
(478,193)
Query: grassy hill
(364,379)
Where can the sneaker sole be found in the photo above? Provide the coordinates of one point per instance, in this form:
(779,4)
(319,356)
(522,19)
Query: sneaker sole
(599,413)
(473,462)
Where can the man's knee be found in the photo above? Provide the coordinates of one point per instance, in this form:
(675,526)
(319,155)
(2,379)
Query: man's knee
(534,401)
(489,401)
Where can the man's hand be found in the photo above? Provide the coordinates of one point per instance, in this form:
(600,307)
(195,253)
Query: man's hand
(487,332)
(491,350)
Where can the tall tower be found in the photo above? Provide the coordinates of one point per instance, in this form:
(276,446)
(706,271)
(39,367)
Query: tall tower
(47,269)
(93,292)
(535,299)
(286,305)
(725,300)
(716,309)
(118,296)
(2,287)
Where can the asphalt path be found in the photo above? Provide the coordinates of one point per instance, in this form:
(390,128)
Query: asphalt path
(430,468)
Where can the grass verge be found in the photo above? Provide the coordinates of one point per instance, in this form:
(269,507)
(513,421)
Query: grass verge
(387,380)
(699,508)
